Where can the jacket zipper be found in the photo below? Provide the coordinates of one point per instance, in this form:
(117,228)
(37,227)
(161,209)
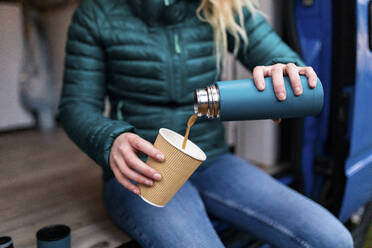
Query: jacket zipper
(177,47)
(119,114)
(177,51)
(172,67)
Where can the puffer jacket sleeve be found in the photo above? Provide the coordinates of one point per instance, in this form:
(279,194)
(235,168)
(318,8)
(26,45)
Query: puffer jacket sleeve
(265,47)
(84,89)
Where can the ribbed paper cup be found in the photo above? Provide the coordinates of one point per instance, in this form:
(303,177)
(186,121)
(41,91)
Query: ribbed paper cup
(178,166)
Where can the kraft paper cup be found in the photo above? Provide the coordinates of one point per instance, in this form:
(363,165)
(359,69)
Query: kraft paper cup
(178,166)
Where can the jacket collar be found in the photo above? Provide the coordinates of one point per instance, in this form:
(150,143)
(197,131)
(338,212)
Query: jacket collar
(163,12)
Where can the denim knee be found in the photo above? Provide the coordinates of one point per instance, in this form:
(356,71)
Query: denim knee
(346,240)
(340,239)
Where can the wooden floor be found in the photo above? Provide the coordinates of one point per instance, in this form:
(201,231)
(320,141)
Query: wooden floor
(45,179)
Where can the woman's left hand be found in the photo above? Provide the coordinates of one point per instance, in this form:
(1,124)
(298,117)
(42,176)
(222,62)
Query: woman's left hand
(277,72)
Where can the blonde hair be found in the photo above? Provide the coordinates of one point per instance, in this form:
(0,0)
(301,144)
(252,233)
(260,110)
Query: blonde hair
(226,16)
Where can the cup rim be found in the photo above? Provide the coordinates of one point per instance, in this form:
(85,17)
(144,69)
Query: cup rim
(151,203)
(200,156)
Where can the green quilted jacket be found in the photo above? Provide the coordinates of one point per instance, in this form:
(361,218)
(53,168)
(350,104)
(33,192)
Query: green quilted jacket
(147,57)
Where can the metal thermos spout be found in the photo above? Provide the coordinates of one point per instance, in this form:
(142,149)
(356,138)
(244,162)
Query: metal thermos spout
(207,102)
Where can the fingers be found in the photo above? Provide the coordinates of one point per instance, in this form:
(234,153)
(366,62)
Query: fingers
(124,181)
(146,147)
(292,72)
(131,174)
(125,164)
(310,74)
(259,77)
(277,71)
(278,81)
(134,162)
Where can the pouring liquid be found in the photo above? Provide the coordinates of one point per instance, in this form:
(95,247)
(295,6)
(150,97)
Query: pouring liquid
(190,122)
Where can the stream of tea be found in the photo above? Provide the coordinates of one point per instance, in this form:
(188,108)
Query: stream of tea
(190,122)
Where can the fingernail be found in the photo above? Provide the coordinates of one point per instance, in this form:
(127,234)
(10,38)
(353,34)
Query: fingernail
(298,90)
(281,96)
(261,86)
(160,156)
(136,191)
(148,182)
(157,176)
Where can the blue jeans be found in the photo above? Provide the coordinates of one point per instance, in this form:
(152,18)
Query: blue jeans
(236,192)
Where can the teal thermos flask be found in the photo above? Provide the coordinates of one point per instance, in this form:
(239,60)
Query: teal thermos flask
(240,100)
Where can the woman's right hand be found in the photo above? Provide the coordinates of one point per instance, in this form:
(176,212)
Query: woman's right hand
(126,165)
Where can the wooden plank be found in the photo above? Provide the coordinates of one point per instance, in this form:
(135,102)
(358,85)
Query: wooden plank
(99,235)
(45,180)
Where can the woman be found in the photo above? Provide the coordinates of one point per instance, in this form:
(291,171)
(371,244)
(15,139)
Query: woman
(148,56)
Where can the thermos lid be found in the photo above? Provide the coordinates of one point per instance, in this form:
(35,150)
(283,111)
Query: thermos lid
(53,233)
(6,242)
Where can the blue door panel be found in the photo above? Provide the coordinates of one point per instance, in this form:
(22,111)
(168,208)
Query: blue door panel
(358,167)
(358,189)
(314,29)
